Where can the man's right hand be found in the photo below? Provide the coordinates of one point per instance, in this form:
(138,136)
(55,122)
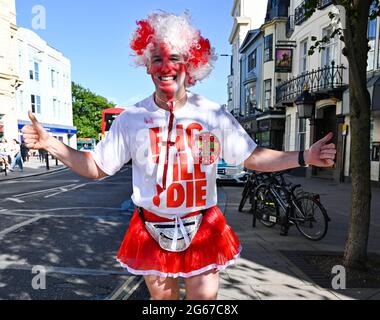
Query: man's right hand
(35,136)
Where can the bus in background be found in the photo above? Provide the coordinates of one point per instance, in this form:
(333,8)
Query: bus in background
(86,144)
(108,116)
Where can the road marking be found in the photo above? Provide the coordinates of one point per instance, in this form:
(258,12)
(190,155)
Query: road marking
(60,189)
(41,191)
(66,208)
(20,225)
(63,190)
(125,291)
(6,265)
(14,200)
(135,287)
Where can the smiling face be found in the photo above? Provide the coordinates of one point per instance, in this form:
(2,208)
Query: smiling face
(168,71)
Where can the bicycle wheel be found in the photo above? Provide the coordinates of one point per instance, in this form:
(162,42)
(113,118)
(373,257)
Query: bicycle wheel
(245,195)
(265,207)
(310,218)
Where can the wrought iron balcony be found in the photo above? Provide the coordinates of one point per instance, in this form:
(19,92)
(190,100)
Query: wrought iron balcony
(321,81)
(300,13)
(323,4)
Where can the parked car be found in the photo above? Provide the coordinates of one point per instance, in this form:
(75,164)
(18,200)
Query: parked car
(231,173)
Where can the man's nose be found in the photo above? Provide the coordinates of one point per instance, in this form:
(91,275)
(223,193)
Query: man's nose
(168,66)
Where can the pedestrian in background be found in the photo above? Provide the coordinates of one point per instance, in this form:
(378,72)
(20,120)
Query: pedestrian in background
(24,152)
(17,158)
(5,150)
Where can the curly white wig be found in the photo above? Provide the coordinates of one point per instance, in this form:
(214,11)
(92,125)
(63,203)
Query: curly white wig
(178,33)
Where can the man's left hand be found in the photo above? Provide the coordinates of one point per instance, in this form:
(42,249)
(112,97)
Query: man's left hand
(320,153)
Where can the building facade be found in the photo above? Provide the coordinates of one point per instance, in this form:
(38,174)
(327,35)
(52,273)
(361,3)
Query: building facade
(9,78)
(247,15)
(271,123)
(287,70)
(325,74)
(251,62)
(259,74)
(46,88)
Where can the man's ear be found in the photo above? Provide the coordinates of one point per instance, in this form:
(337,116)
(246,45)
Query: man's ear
(148,68)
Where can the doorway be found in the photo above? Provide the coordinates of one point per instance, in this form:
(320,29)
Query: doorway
(326,123)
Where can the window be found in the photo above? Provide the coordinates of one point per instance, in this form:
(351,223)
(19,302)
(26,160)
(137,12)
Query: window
(267,93)
(36,71)
(31,75)
(250,98)
(33,103)
(252,60)
(229,93)
(268,48)
(303,56)
(38,104)
(371,44)
(329,54)
(54,108)
(59,111)
(53,78)
(301,133)
(58,82)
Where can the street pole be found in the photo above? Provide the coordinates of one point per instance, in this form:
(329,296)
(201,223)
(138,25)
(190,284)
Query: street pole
(47,161)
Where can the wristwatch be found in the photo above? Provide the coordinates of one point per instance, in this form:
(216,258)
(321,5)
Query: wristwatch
(301,160)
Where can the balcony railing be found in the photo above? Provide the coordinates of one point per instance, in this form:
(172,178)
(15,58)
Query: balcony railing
(300,13)
(323,4)
(322,80)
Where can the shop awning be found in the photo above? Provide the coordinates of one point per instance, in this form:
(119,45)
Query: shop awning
(51,127)
(373,86)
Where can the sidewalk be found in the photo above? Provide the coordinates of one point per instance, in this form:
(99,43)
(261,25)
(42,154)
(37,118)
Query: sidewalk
(32,168)
(265,269)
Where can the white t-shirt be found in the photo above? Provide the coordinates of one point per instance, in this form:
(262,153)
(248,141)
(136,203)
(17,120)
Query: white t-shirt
(138,133)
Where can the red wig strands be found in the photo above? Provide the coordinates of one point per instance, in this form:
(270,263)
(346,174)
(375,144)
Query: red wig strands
(164,28)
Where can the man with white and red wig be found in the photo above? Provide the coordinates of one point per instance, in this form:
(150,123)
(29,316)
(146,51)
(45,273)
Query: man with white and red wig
(175,138)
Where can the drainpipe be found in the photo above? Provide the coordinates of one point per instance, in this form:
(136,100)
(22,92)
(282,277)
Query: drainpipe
(344,133)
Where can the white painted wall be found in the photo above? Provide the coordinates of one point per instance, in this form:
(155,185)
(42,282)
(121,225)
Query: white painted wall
(8,68)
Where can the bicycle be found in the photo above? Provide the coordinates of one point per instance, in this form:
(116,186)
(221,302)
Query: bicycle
(274,203)
(254,180)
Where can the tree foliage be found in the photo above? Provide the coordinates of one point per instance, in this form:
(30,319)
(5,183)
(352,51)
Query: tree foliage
(87,111)
(349,6)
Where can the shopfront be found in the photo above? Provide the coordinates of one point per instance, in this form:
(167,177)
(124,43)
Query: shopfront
(65,134)
(271,130)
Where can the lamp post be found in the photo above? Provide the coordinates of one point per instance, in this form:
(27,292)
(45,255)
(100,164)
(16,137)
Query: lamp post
(306,107)
(305,104)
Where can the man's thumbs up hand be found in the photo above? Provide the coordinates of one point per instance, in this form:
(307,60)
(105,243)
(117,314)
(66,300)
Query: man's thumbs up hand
(322,154)
(35,136)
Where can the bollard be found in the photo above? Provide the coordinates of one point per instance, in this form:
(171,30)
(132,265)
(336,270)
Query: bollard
(47,161)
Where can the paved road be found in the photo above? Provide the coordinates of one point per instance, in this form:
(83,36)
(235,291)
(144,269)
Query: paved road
(71,226)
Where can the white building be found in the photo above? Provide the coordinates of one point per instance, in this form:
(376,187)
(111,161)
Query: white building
(325,73)
(46,88)
(9,79)
(247,15)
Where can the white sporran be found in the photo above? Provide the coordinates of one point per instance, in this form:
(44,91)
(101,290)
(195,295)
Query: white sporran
(175,236)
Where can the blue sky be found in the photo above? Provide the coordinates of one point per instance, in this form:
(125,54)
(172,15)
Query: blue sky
(95,36)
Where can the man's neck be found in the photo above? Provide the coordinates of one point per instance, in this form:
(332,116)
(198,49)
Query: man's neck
(178,102)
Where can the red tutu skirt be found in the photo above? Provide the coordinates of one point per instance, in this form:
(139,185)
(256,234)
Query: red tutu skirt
(215,246)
